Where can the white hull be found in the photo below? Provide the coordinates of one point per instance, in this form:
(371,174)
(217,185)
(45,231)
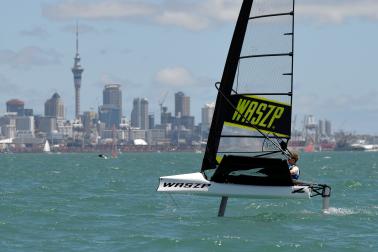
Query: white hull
(196,183)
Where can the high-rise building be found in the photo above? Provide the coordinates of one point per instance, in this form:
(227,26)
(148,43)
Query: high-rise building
(46,124)
(77,70)
(89,118)
(139,113)
(144,113)
(109,114)
(112,95)
(328,128)
(25,124)
(151,121)
(8,125)
(321,128)
(207,115)
(165,116)
(135,112)
(16,106)
(54,107)
(182,104)
(28,112)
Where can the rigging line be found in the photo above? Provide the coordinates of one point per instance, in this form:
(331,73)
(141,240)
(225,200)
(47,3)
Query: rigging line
(280,139)
(262,146)
(253,126)
(269,153)
(237,77)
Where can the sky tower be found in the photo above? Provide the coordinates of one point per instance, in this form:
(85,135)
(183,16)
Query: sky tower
(77,70)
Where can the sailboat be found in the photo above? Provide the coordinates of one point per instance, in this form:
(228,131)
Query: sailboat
(46,148)
(246,153)
(114,143)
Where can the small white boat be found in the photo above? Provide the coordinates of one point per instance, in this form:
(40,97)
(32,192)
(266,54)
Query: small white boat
(46,147)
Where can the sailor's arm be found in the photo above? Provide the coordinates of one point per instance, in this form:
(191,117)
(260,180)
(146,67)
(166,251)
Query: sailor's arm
(294,170)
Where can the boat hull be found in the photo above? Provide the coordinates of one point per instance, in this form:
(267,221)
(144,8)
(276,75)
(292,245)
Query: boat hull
(196,183)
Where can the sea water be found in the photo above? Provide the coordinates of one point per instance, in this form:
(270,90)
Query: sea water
(79,202)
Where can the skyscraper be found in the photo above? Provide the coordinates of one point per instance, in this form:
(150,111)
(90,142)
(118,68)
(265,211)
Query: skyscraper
(54,107)
(16,106)
(328,128)
(135,112)
(321,128)
(139,113)
(77,70)
(165,116)
(144,114)
(182,104)
(109,114)
(151,121)
(112,95)
(89,118)
(207,115)
(111,111)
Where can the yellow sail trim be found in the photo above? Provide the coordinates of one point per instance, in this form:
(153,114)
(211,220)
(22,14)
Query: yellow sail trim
(219,158)
(265,99)
(254,129)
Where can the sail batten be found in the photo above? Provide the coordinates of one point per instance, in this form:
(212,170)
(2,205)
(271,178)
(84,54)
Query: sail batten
(267,55)
(253,109)
(272,15)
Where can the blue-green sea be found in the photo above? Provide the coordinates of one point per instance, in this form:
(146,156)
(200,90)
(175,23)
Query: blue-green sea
(79,202)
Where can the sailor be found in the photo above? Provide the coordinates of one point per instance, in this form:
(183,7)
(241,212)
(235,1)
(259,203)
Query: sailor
(292,163)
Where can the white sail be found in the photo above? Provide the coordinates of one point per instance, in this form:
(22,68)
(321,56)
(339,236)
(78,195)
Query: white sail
(46,148)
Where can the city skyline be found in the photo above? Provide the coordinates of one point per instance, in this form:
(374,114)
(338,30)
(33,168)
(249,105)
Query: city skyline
(152,47)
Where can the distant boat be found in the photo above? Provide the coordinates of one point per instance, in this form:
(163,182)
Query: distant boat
(309,148)
(361,145)
(103,156)
(114,153)
(250,130)
(46,148)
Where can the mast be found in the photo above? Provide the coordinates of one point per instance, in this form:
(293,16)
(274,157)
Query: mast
(77,71)
(229,72)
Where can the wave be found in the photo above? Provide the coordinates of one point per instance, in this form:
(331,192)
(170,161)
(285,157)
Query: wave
(339,211)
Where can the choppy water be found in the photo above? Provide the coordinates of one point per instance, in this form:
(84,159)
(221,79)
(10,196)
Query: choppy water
(78,202)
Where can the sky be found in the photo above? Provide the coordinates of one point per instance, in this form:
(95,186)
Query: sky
(155,48)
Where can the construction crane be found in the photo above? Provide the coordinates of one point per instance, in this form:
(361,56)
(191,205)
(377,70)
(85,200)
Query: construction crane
(162,100)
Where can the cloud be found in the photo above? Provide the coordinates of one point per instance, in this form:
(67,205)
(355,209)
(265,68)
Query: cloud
(342,104)
(332,11)
(200,14)
(110,9)
(37,32)
(182,19)
(82,29)
(221,10)
(175,76)
(28,57)
(194,15)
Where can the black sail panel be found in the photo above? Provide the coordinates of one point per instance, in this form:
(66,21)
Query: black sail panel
(252,115)
(233,57)
(256,113)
